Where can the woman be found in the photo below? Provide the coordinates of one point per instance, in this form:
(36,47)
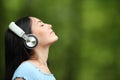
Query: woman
(29,64)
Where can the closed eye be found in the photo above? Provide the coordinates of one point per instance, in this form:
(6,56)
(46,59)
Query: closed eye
(42,25)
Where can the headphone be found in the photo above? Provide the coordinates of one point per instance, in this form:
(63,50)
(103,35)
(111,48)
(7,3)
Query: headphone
(31,40)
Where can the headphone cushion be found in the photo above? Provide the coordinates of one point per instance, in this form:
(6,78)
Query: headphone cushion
(31,42)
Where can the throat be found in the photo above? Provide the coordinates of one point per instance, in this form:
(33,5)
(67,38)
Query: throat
(43,67)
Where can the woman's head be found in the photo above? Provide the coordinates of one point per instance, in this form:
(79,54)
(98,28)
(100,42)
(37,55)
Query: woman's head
(15,50)
(43,32)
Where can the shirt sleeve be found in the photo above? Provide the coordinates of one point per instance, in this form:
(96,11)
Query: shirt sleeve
(19,78)
(22,72)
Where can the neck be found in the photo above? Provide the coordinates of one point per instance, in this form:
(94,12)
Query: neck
(40,54)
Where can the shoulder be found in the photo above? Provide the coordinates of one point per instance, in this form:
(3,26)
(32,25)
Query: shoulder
(24,71)
(24,67)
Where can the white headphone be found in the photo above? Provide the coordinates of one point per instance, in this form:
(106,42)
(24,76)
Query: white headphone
(31,40)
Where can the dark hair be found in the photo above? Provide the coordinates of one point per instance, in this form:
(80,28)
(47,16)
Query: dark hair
(15,50)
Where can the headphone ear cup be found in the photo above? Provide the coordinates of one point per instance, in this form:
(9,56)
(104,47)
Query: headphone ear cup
(31,42)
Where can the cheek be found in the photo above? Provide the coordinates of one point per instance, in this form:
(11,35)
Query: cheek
(43,37)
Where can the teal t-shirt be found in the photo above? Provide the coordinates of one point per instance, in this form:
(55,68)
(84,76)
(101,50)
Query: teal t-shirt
(28,71)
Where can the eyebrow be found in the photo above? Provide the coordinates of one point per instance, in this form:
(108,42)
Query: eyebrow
(39,21)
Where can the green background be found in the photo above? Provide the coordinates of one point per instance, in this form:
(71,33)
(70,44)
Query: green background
(89,35)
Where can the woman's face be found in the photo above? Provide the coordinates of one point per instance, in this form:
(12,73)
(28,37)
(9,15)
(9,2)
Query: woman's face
(43,31)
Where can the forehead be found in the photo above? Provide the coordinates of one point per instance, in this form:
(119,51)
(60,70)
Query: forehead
(34,19)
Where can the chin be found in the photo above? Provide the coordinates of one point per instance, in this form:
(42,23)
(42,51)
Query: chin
(54,39)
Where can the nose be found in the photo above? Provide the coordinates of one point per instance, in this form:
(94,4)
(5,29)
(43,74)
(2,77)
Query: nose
(49,25)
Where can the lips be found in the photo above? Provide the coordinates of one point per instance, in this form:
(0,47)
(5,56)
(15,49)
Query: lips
(51,32)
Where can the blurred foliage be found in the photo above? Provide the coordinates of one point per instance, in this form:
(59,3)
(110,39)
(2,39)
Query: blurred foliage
(89,42)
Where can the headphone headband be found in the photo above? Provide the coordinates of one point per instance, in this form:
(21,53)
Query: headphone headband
(16,29)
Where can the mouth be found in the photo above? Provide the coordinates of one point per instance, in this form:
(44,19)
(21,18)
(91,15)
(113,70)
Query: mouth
(51,32)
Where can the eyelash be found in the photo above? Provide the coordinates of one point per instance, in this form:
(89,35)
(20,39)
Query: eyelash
(42,25)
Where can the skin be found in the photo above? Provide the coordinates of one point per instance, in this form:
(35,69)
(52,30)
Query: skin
(46,37)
